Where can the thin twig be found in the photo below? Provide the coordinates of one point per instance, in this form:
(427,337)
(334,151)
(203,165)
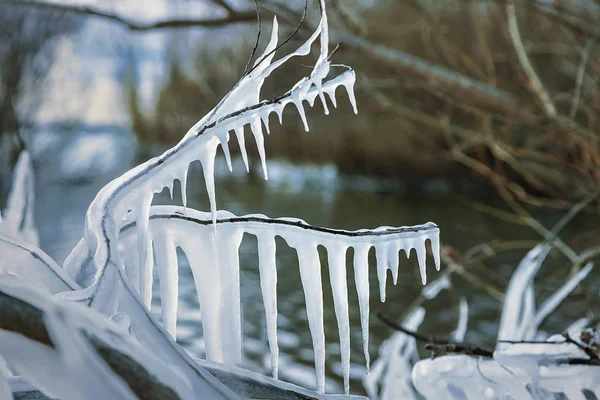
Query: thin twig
(294,33)
(580,74)
(536,85)
(259,23)
(586,349)
(419,337)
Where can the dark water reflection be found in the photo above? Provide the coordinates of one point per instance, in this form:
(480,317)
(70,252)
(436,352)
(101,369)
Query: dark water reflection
(321,198)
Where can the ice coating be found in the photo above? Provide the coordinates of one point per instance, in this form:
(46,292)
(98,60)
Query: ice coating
(214,260)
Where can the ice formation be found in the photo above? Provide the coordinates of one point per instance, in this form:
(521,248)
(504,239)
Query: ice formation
(527,370)
(111,268)
(211,241)
(213,257)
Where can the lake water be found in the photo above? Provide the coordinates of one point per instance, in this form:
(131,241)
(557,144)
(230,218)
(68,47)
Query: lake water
(322,197)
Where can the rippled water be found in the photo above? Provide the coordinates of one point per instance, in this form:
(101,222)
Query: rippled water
(321,197)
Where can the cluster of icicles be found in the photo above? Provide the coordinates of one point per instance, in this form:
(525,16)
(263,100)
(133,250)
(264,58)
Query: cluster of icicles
(211,240)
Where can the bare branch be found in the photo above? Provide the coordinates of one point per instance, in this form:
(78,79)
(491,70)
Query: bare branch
(580,75)
(238,17)
(226,6)
(535,84)
(419,337)
(259,27)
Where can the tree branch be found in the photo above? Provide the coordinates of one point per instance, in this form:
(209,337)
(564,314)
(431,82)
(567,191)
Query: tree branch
(535,84)
(232,18)
(226,6)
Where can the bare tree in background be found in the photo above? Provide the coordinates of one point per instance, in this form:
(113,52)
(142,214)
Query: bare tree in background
(503,91)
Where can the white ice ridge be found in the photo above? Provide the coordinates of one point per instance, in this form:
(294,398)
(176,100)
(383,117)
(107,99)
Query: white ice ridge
(212,251)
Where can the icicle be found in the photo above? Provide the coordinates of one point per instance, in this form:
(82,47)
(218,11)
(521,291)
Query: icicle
(166,261)
(256,128)
(349,85)
(201,254)
(381,253)
(208,169)
(239,133)
(361,278)
(225,148)
(300,107)
(336,255)
(279,111)
(322,96)
(419,245)
(434,240)
(183,184)
(310,274)
(145,264)
(228,245)
(268,286)
(265,120)
(393,261)
(331,93)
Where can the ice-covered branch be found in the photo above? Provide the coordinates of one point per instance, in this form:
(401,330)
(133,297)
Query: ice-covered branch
(213,257)
(121,219)
(42,326)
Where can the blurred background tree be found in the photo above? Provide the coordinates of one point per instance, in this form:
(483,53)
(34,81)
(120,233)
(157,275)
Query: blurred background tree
(486,93)
(26,53)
